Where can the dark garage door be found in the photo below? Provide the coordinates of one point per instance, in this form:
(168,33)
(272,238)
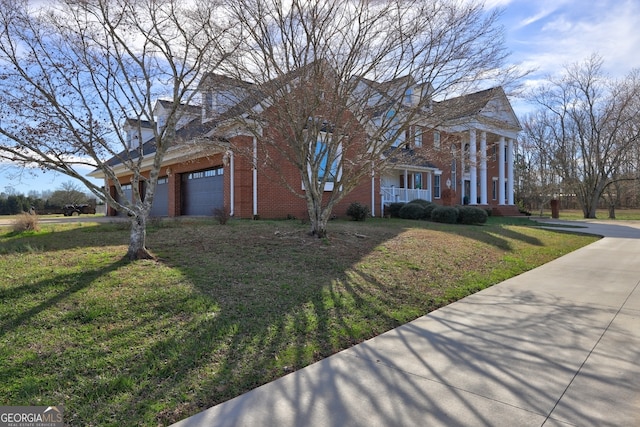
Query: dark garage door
(160,205)
(128,194)
(202,191)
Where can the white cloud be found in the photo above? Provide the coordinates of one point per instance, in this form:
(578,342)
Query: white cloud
(550,35)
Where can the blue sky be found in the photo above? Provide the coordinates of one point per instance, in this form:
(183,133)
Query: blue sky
(549,34)
(544,35)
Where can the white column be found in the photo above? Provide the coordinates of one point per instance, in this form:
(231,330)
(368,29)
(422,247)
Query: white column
(473,170)
(510,172)
(501,177)
(483,168)
(406,185)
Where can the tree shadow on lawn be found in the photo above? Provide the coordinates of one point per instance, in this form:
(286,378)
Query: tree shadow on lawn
(263,331)
(502,237)
(60,238)
(249,324)
(218,351)
(56,288)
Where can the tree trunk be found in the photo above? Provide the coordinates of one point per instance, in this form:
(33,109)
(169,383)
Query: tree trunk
(137,239)
(612,211)
(318,223)
(589,212)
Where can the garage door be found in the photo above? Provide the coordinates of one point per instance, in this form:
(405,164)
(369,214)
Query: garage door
(202,191)
(160,205)
(128,194)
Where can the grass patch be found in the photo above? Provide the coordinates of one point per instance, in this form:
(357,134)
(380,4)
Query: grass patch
(601,214)
(227,308)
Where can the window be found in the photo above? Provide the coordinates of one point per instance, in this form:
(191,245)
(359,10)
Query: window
(163,180)
(325,172)
(209,99)
(417,181)
(206,173)
(453,174)
(436,140)
(126,187)
(494,188)
(436,186)
(417,138)
(408,96)
(392,132)
(327,158)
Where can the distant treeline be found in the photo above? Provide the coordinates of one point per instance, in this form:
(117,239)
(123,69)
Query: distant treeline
(18,203)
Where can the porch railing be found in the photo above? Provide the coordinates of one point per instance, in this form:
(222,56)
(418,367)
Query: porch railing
(397,195)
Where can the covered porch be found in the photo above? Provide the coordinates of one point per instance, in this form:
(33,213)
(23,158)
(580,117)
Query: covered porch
(403,184)
(403,195)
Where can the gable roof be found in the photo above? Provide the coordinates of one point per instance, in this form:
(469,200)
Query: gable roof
(482,105)
(489,106)
(400,156)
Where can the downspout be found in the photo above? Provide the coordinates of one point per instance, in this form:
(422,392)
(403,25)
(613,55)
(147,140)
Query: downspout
(373,191)
(232,179)
(255,177)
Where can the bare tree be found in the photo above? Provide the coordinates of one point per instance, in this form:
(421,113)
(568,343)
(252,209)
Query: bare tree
(73,71)
(590,123)
(332,87)
(541,182)
(68,193)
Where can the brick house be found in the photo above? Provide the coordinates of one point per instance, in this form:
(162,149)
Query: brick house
(467,158)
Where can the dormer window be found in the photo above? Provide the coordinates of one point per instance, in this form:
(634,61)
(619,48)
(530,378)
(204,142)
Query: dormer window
(408,96)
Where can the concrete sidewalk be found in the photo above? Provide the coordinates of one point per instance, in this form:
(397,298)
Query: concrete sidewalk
(556,346)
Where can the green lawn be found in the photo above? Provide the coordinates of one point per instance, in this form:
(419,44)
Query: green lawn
(601,214)
(226,308)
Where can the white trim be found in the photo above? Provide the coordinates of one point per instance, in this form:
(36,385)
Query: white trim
(175,154)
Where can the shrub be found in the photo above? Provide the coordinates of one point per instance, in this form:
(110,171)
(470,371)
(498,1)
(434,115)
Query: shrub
(393,210)
(155,222)
(421,202)
(26,222)
(358,211)
(429,209)
(412,211)
(522,208)
(222,215)
(445,214)
(472,215)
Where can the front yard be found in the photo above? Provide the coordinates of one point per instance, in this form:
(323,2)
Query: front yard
(227,307)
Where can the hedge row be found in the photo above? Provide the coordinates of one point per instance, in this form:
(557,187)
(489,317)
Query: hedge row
(422,209)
